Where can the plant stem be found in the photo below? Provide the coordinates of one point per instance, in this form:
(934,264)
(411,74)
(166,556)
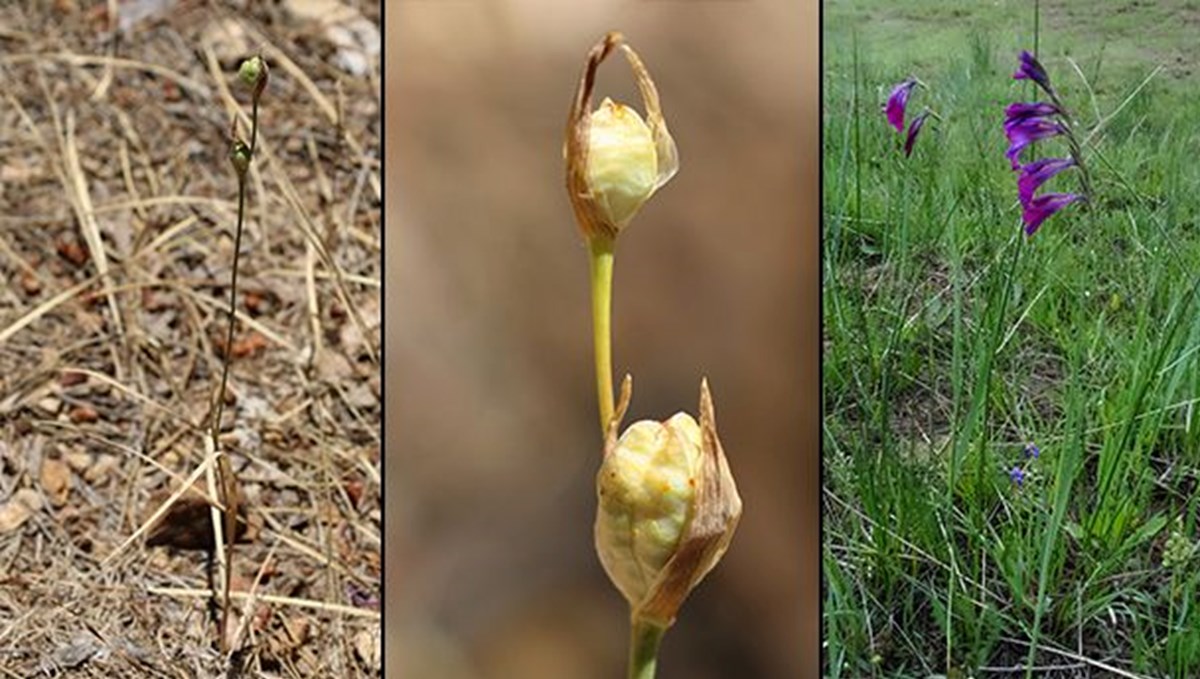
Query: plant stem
(601,257)
(253,130)
(228,353)
(644,640)
(237,251)
(229,490)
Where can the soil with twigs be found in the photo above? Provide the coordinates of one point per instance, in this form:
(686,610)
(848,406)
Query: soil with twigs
(117,223)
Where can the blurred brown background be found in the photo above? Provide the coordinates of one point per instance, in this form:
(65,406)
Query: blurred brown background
(492,443)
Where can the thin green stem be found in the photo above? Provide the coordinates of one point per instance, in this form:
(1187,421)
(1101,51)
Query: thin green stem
(253,128)
(229,490)
(601,252)
(228,354)
(644,640)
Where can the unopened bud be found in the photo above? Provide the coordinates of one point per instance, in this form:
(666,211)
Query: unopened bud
(239,155)
(615,159)
(668,508)
(254,73)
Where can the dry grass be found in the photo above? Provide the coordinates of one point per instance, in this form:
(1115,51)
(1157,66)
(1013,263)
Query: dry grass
(116,237)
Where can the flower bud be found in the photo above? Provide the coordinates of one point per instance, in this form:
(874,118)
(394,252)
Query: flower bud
(239,155)
(254,73)
(615,159)
(668,508)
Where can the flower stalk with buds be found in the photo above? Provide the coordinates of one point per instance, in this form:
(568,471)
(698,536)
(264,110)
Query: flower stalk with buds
(253,72)
(615,162)
(668,504)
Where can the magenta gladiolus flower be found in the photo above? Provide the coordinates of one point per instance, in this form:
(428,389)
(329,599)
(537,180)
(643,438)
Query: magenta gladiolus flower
(1022,111)
(1030,69)
(1024,124)
(1038,209)
(897,102)
(1022,132)
(913,129)
(1037,173)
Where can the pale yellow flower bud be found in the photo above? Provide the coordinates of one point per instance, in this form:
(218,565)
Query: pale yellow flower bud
(615,159)
(646,486)
(668,507)
(622,165)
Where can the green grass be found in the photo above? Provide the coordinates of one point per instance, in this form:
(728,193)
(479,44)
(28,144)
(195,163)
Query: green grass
(952,340)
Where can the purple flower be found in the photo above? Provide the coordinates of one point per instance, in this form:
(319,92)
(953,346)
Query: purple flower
(1022,132)
(1037,210)
(1021,111)
(1017,475)
(1030,69)
(1037,173)
(1032,451)
(897,102)
(913,129)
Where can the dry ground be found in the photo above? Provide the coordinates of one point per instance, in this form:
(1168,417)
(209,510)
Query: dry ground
(117,216)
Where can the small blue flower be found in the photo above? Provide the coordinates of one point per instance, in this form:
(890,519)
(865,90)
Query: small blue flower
(1032,451)
(1017,475)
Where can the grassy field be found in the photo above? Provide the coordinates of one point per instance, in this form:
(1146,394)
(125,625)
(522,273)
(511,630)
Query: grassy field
(952,341)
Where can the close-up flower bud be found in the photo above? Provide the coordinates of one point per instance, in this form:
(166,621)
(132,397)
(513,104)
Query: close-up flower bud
(615,159)
(239,155)
(254,73)
(668,508)
(622,169)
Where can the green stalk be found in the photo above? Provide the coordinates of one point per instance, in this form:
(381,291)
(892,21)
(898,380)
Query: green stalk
(253,127)
(644,640)
(237,250)
(601,251)
(228,484)
(237,247)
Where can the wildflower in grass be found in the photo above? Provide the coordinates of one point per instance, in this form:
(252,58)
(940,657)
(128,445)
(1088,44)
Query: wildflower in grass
(1037,173)
(1017,475)
(1031,69)
(1039,209)
(1023,110)
(897,102)
(1032,451)
(1029,122)
(913,129)
(1022,132)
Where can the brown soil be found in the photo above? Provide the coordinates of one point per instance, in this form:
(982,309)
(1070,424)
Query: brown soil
(117,218)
